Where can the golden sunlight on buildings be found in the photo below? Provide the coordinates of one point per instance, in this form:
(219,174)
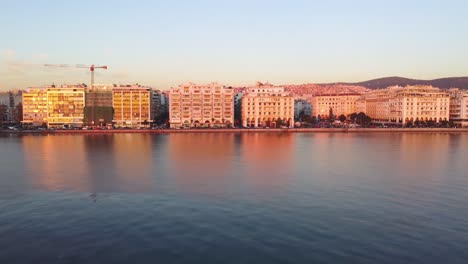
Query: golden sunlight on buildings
(65,106)
(55,106)
(132,106)
(406,104)
(340,104)
(194,105)
(35,106)
(266,105)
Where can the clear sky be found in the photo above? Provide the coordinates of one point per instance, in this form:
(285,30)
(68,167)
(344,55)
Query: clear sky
(166,43)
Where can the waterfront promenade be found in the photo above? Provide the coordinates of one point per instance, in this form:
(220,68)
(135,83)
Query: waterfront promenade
(237,130)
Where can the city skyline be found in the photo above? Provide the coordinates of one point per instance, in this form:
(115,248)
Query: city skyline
(237,43)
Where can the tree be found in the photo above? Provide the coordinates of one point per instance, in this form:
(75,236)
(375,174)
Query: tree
(363,119)
(313,120)
(279,122)
(331,117)
(342,118)
(353,117)
(444,123)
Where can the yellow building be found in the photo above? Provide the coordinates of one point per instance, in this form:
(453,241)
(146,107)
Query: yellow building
(266,105)
(407,104)
(340,104)
(132,106)
(65,106)
(35,106)
(192,105)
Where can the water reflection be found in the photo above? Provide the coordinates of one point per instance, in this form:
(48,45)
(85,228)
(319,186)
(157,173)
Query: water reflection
(89,163)
(56,162)
(268,160)
(202,163)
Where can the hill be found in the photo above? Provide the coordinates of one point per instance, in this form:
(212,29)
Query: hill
(443,83)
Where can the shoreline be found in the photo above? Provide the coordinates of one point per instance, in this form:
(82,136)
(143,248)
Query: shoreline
(234,130)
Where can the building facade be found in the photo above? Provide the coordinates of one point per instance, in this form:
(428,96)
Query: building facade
(132,106)
(65,106)
(459,107)
(406,104)
(192,105)
(156,104)
(265,105)
(302,107)
(10,106)
(35,107)
(338,104)
(98,105)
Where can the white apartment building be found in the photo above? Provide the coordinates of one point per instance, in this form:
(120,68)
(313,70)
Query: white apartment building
(265,105)
(192,105)
(302,106)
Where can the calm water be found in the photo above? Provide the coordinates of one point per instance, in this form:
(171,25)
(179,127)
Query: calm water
(227,198)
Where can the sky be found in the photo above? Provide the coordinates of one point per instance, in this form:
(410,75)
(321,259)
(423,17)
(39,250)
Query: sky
(167,43)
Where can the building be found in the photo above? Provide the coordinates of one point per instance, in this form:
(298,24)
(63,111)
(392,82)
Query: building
(302,108)
(35,107)
(337,104)
(459,106)
(406,104)
(10,106)
(265,105)
(65,106)
(238,108)
(210,105)
(156,104)
(132,106)
(98,105)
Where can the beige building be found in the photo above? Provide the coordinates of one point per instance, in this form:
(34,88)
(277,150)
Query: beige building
(132,106)
(35,106)
(459,106)
(406,104)
(192,105)
(266,105)
(341,104)
(65,106)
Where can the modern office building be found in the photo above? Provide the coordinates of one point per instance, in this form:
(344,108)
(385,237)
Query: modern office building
(35,106)
(65,106)
(459,106)
(132,106)
(337,104)
(192,105)
(266,105)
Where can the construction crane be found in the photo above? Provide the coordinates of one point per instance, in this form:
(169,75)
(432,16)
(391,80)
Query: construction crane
(91,69)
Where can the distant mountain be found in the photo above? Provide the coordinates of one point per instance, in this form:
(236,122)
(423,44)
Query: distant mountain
(443,83)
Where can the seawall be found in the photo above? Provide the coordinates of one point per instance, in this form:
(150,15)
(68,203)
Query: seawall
(272,130)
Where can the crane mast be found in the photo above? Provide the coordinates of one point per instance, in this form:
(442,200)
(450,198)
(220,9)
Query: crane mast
(91,69)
